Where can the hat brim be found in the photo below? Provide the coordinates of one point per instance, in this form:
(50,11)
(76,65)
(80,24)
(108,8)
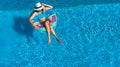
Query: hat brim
(38,8)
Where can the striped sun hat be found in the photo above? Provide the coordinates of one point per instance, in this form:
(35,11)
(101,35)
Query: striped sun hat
(38,6)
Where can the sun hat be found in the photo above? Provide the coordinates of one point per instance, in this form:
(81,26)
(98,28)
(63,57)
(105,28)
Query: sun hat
(38,6)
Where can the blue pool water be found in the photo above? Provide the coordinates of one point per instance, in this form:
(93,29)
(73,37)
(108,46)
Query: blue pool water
(89,30)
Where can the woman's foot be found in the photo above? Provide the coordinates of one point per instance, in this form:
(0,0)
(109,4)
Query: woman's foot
(59,40)
(49,41)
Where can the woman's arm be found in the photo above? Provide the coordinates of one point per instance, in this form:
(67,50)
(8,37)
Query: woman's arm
(47,7)
(31,17)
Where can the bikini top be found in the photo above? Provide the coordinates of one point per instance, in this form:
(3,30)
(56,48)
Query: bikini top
(37,17)
(41,15)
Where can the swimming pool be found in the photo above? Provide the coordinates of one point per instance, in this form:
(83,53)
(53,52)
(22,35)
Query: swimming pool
(90,31)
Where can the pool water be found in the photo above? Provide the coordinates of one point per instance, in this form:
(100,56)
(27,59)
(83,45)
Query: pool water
(89,30)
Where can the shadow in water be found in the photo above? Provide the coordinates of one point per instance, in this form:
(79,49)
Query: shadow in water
(23,27)
(29,4)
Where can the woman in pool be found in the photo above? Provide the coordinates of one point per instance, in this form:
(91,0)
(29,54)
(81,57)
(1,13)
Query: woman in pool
(38,15)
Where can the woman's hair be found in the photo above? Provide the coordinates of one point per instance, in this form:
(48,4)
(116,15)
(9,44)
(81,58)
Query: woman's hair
(42,10)
(38,10)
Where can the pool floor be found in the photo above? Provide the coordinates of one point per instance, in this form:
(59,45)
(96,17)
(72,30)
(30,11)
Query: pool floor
(90,37)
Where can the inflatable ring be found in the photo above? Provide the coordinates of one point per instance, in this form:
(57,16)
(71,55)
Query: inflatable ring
(51,16)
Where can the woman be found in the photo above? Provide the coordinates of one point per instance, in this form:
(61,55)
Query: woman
(38,15)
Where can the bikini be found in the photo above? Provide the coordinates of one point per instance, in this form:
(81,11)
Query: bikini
(50,16)
(37,17)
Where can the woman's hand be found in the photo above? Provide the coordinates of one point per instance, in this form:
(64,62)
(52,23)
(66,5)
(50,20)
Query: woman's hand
(34,25)
(47,7)
(43,4)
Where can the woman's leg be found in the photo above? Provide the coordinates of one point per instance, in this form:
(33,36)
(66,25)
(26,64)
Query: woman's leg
(53,32)
(48,31)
